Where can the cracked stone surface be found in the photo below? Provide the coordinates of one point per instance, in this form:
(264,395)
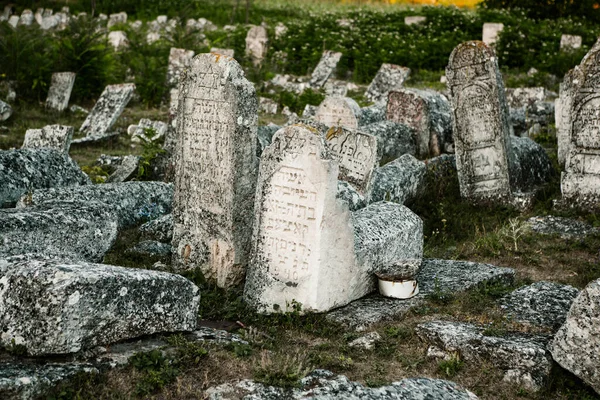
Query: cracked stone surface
(399,181)
(566,228)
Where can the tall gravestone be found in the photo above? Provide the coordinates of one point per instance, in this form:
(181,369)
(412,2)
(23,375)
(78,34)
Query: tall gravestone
(179,59)
(480,122)
(215,170)
(107,110)
(580,181)
(325,68)
(338,112)
(256,43)
(59,93)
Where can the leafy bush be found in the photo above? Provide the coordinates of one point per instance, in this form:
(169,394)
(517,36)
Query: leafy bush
(550,8)
(157,371)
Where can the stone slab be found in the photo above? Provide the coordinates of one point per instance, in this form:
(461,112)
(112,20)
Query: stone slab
(107,110)
(324,69)
(399,181)
(59,93)
(394,139)
(57,137)
(390,77)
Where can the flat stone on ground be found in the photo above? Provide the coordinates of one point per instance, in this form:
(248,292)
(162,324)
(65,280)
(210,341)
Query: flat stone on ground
(566,228)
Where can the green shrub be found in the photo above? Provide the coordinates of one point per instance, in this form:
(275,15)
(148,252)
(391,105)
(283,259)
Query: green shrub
(157,371)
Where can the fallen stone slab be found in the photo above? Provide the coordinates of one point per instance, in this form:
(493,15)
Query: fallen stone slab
(131,202)
(566,228)
(544,304)
(323,384)
(576,345)
(5,111)
(151,248)
(29,169)
(107,110)
(324,69)
(434,276)
(61,307)
(398,181)
(126,171)
(74,230)
(523,358)
(160,229)
(57,137)
(393,138)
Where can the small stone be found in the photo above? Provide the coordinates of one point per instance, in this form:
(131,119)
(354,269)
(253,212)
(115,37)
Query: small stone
(399,181)
(570,42)
(339,112)
(366,342)
(416,19)
(393,138)
(529,165)
(349,195)
(140,133)
(336,88)
(78,109)
(224,52)
(491,31)
(160,229)
(118,18)
(309,111)
(118,40)
(564,227)
(5,111)
(256,43)
(267,106)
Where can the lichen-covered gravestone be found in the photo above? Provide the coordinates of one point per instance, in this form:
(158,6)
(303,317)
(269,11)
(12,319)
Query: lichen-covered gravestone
(5,111)
(179,59)
(256,43)
(324,69)
(389,77)
(107,110)
(338,112)
(480,125)
(357,155)
(215,172)
(59,93)
(580,181)
(429,113)
(491,30)
(570,42)
(56,137)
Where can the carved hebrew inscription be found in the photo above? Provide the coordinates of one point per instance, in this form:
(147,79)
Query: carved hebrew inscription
(586,124)
(356,153)
(477,114)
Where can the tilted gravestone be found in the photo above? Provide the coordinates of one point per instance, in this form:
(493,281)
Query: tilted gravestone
(357,156)
(118,18)
(389,77)
(324,69)
(429,113)
(59,93)
(107,110)
(56,137)
(338,112)
(491,30)
(256,43)
(480,123)
(215,169)
(562,114)
(580,181)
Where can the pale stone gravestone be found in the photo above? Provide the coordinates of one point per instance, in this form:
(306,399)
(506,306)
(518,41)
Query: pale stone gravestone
(139,132)
(356,154)
(256,43)
(415,19)
(280,30)
(38,16)
(224,52)
(59,93)
(336,88)
(13,21)
(26,17)
(580,181)
(338,111)
(480,123)
(118,40)
(107,110)
(118,18)
(570,42)
(429,113)
(52,136)
(324,69)
(389,77)
(491,31)
(5,111)
(215,170)
(179,59)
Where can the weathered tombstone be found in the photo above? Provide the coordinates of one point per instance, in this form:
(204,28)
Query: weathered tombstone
(356,154)
(580,181)
(118,40)
(148,131)
(389,77)
(215,171)
(525,96)
(562,113)
(5,111)
(56,137)
(256,43)
(480,123)
(59,93)
(280,30)
(415,19)
(338,111)
(429,113)
(26,17)
(336,88)
(179,59)
(224,52)
(570,42)
(324,69)
(491,31)
(38,16)
(126,171)
(118,18)
(13,20)
(107,110)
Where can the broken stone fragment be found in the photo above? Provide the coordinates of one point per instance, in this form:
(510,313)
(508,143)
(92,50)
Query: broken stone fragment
(56,137)
(394,139)
(126,171)
(160,229)
(399,181)
(389,77)
(107,110)
(151,248)
(62,307)
(324,69)
(5,111)
(348,194)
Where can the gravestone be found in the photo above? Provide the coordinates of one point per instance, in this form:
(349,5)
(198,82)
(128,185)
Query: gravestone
(26,17)
(562,114)
(224,52)
(389,77)
(415,19)
(280,30)
(13,20)
(580,180)
(429,113)
(338,112)
(107,110)
(118,18)
(140,133)
(118,40)
(480,123)
(179,59)
(59,93)
(491,31)
(215,170)
(356,154)
(336,88)
(570,42)
(56,137)
(5,111)
(256,43)
(324,69)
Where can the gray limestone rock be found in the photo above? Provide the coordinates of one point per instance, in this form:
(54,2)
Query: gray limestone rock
(529,166)
(524,358)
(543,304)
(126,171)
(389,77)
(148,131)
(348,194)
(576,345)
(151,248)
(372,114)
(264,135)
(324,385)
(564,227)
(107,110)
(61,307)
(179,59)
(399,181)
(160,229)
(59,93)
(434,276)
(394,139)
(324,69)
(30,169)
(130,202)
(56,137)
(366,342)
(74,230)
